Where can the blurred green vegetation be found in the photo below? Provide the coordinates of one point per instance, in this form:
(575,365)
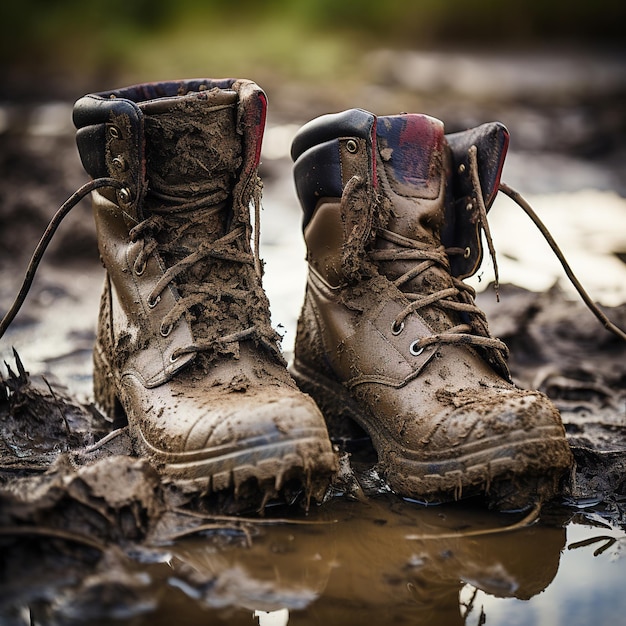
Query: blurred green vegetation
(307,38)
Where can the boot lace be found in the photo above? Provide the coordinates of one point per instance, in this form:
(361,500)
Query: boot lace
(200,294)
(525,206)
(227,247)
(45,240)
(458,297)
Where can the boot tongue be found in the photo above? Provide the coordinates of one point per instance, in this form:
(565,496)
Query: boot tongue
(192,148)
(193,159)
(412,151)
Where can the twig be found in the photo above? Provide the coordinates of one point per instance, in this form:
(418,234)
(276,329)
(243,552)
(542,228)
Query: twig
(55,533)
(531,518)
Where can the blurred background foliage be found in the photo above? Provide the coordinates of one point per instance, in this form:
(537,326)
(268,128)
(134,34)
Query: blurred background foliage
(50,44)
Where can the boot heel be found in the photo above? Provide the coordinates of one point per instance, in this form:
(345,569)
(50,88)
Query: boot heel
(104,390)
(341,413)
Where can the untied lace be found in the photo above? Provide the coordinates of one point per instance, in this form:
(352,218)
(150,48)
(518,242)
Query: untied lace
(54,223)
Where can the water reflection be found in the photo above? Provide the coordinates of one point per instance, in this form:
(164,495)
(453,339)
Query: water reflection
(381,560)
(384,560)
(273,618)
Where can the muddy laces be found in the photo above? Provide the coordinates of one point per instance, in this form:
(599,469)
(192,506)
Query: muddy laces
(208,208)
(364,213)
(458,297)
(525,206)
(223,248)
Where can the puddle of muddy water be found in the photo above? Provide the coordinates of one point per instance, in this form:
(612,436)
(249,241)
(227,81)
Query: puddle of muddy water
(379,561)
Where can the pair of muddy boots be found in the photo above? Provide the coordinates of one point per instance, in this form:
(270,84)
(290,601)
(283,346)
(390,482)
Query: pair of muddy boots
(389,336)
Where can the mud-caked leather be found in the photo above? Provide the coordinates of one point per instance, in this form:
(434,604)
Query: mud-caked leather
(388,337)
(185,352)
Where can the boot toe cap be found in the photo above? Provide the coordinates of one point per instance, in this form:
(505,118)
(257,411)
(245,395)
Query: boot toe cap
(505,435)
(495,415)
(202,434)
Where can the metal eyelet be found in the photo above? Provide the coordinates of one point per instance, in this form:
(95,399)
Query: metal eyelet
(352,146)
(174,357)
(414,348)
(166,330)
(467,253)
(461,168)
(125,196)
(153,303)
(396,328)
(114,132)
(139,269)
(469,206)
(119,163)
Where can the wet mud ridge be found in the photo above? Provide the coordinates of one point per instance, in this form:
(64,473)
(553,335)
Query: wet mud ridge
(558,347)
(74,500)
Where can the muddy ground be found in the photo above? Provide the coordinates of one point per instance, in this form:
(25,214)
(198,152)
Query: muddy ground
(85,527)
(90,534)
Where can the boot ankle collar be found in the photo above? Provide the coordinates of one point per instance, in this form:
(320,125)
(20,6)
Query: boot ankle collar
(462,223)
(110,131)
(354,122)
(328,151)
(110,142)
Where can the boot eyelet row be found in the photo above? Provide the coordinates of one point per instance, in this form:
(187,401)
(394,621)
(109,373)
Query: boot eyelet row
(415,349)
(166,330)
(396,328)
(153,303)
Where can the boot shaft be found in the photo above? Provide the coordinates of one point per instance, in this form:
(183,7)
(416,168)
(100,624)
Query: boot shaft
(175,239)
(112,139)
(392,213)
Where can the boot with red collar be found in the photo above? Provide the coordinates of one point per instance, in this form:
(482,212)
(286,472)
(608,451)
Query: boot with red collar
(389,336)
(185,351)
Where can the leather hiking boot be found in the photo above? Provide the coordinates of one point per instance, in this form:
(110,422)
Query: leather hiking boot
(389,336)
(185,350)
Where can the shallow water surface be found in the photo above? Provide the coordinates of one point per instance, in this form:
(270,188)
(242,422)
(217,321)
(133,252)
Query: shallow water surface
(381,561)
